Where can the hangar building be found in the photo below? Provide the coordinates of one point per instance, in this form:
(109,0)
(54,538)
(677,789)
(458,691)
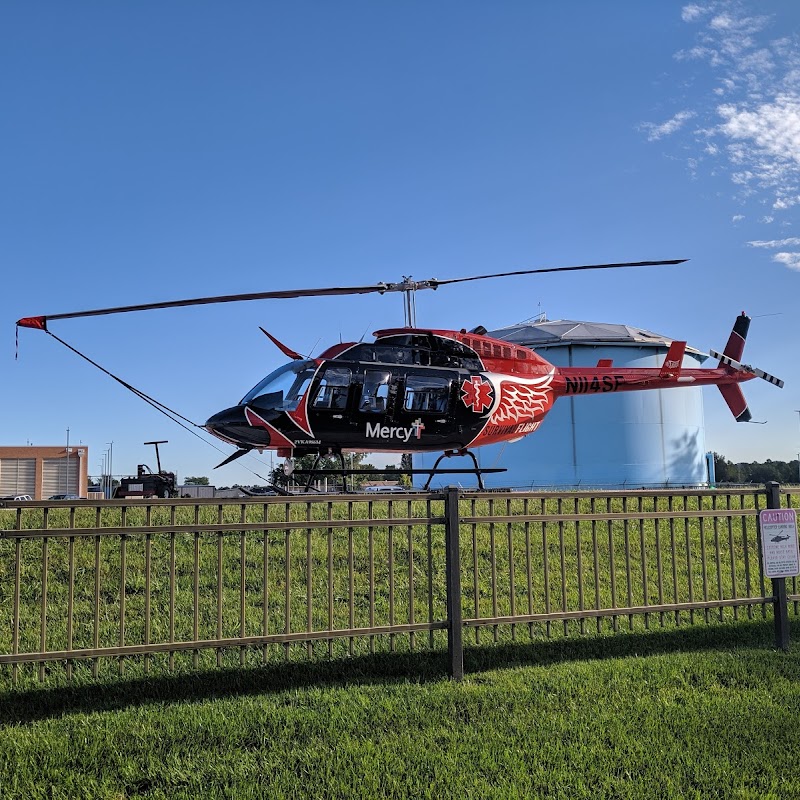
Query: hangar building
(43,472)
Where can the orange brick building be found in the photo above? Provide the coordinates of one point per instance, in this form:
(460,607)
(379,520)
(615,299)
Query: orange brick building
(44,471)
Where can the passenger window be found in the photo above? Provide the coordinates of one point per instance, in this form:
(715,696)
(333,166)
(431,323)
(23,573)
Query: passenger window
(375,392)
(333,389)
(426,395)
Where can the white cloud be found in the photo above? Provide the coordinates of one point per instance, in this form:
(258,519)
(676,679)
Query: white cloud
(692,12)
(772,130)
(747,123)
(737,218)
(784,202)
(656,132)
(793,241)
(791,260)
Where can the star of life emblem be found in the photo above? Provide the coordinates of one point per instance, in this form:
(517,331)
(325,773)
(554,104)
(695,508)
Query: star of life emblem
(477,393)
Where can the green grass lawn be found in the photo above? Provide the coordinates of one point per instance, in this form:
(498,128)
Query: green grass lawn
(706,711)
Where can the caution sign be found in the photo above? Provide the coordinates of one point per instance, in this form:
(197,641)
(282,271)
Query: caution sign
(779,544)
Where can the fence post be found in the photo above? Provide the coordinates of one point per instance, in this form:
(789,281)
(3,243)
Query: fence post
(452,527)
(780,606)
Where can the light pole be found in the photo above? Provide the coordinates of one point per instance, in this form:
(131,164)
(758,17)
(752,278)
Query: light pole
(110,470)
(68,451)
(797,411)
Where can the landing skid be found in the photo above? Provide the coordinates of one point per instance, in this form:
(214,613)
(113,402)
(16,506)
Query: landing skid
(449,454)
(477,471)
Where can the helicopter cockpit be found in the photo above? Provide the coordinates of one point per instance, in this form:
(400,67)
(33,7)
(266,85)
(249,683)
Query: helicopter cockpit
(285,385)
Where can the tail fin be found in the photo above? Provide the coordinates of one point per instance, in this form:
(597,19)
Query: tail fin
(730,362)
(735,346)
(671,368)
(734,349)
(734,397)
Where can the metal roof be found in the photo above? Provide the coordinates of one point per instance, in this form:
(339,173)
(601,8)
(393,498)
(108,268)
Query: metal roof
(553,333)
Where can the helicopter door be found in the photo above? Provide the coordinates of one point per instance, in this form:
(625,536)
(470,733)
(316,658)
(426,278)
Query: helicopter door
(426,406)
(328,406)
(333,390)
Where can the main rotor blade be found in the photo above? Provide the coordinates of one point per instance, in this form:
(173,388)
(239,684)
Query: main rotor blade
(406,285)
(40,322)
(621,265)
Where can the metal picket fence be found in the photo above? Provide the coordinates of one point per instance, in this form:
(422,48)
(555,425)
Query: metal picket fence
(162,585)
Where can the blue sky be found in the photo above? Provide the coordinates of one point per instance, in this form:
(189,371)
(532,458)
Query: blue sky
(156,151)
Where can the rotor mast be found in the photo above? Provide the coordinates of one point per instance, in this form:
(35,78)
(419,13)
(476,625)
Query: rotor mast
(410,304)
(409,287)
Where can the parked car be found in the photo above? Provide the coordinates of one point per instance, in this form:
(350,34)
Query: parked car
(24,498)
(64,497)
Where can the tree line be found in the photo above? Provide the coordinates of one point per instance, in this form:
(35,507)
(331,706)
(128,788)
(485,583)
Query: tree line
(755,471)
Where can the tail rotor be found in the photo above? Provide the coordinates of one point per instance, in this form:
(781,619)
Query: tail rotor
(730,360)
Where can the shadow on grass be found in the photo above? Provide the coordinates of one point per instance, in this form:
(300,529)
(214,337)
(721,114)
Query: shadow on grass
(21,706)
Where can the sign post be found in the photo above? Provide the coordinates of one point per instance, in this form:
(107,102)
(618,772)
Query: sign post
(781,556)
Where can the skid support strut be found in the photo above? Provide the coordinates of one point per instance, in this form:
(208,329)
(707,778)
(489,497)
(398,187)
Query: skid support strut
(449,454)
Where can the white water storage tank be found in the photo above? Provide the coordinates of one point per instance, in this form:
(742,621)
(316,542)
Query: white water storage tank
(631,439)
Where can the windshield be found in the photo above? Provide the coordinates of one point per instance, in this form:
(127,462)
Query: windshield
(288,383)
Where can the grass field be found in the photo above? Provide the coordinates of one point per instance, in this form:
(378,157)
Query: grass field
(703,710)
(707,711)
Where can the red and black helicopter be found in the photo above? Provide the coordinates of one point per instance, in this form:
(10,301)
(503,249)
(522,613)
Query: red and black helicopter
(428,390)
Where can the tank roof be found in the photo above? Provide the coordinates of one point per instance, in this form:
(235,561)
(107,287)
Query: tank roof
(552,333)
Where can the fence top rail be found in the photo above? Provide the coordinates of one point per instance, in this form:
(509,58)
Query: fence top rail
(400,497)
(267,499)
(550,494)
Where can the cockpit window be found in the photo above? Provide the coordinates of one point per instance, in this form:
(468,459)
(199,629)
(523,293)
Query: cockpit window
(288,383)
(333,388)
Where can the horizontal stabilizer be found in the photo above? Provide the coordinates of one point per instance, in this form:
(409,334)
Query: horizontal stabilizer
(729,362)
